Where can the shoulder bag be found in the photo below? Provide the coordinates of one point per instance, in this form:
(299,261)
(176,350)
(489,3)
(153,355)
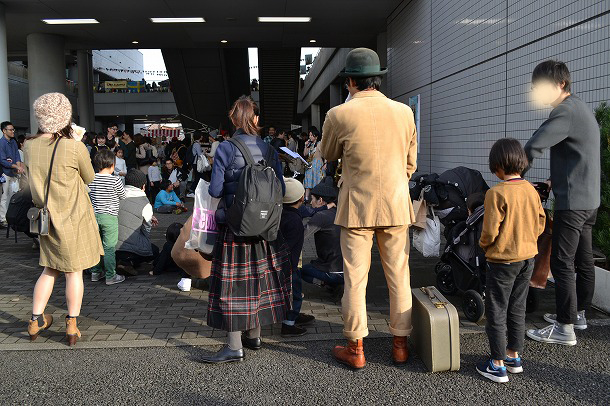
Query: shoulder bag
(39,218)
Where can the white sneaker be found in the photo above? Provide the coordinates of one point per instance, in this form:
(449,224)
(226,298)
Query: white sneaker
(185,284)
(581,321)
(191,195)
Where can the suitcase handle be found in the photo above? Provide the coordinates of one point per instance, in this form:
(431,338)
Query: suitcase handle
(435,301)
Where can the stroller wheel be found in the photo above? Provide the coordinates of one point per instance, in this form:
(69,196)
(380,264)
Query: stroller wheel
(444,281)
(473,306)
(533,300)
(439,265)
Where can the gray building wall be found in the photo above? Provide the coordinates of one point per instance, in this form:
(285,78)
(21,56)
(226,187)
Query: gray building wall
(471,63)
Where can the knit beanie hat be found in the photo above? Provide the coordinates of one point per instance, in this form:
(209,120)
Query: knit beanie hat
(294,190)
(53,112)
(326,188)
(136,178)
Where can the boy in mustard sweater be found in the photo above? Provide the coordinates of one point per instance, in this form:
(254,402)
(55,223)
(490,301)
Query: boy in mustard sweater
(514,218)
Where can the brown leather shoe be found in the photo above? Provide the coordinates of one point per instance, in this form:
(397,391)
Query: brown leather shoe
(352,355)
(72,331)
(34,328)
(400,350)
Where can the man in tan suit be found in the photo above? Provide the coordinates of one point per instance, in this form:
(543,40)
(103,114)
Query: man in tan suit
(376,139)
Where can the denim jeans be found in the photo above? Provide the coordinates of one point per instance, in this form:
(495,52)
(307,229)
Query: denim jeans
(506,291)
(572,251)
(297,295)
(310,272)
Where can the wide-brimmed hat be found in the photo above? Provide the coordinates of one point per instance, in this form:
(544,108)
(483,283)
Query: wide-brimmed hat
(326,188)
(362,63)
(53,112)
(294,190)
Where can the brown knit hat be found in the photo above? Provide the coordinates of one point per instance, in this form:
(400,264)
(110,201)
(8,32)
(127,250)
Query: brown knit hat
(53,112)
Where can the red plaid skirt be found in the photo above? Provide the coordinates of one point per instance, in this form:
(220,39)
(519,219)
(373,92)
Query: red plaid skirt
(250,282)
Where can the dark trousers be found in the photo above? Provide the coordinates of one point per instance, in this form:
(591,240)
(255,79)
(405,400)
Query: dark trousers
(310,272)
(297,295)
(195,182)
(573,252)
(506,291)
(136,259)
(153,191)
(165,264)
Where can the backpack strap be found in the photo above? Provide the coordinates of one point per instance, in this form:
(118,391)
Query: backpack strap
(243,148)
(269,157)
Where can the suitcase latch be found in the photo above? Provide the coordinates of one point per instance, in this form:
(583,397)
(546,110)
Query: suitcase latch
(437,303)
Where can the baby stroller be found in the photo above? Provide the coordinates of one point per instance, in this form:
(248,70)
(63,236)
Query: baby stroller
(447,193)
(462,266)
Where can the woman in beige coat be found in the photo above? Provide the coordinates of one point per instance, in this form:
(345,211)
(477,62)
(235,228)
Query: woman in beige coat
(73,243)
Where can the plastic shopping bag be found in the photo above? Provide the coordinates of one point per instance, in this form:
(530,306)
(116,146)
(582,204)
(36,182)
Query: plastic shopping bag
(428,240)
(204,229)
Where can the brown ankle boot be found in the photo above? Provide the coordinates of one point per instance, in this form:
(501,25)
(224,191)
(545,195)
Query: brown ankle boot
(352,355)
(400,350)
(72,331)
(34,328)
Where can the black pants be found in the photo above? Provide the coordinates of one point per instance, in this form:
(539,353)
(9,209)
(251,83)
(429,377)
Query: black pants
(136,259)
(165,264)
(195,182)
(506,291)
(573,252)
(153,191)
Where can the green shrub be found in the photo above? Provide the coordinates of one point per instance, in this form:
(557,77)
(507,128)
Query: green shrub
(601,231)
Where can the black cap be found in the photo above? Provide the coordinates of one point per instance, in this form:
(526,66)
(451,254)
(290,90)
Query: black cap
(326,188)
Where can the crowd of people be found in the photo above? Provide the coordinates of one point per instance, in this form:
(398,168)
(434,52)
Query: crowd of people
(256,280)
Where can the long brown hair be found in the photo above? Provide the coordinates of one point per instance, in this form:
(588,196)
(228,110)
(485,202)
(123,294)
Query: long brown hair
(65,132)
(243,115)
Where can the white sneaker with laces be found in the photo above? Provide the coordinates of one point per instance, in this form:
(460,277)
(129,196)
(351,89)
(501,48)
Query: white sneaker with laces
(555,333)
(185,284)
(191,195)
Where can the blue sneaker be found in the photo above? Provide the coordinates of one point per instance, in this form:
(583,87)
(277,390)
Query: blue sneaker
(513,365)
(492,372)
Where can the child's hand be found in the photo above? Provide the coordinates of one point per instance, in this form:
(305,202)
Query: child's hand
(154,221)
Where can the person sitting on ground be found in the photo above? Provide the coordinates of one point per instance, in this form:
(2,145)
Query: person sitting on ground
(167,201)
(120,168)
(154,179)
(100,143)
(135,222)
(171,173)
(513,213)
(291,227)
(327,268)
(164,262)
(106,192)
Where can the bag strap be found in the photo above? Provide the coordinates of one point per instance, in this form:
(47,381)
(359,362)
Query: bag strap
(245,151)
(269,156)
(46,195)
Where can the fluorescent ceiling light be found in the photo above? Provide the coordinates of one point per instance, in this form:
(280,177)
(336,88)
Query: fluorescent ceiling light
(224,41)
(70,21)
(284,19)
(134,42)
(313,41)
(178,20)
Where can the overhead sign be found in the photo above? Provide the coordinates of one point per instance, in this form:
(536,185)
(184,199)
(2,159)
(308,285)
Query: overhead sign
(115,84)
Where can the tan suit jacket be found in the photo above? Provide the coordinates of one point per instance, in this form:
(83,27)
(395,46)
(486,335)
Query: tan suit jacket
(376,139)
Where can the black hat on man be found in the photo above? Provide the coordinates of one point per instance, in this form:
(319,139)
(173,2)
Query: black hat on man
(362,63)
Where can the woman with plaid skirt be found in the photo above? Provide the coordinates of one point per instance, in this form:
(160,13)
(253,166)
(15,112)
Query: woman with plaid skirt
(250,283)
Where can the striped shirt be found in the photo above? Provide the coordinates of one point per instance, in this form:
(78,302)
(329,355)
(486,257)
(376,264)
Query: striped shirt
(106,191)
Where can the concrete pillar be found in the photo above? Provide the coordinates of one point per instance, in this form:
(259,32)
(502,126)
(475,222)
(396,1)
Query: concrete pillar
(315,116)
(46,68)
(335,95)
(5,110)
(305,123)
(86,116)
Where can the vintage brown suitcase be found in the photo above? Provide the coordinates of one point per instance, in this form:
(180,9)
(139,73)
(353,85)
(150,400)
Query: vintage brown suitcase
(436,330)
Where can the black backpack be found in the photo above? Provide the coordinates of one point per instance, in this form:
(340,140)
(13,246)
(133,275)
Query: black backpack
(190,156)
(16,214)
(257,208)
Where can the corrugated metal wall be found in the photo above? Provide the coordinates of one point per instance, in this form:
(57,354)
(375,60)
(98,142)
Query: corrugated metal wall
(471,63)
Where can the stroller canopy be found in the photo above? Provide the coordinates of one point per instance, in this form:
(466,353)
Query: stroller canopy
(467,180)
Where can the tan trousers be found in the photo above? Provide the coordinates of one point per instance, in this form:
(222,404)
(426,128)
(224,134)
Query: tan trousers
(356,247)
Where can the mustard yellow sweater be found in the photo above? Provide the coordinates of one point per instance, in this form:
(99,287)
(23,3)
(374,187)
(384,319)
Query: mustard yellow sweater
(514,218)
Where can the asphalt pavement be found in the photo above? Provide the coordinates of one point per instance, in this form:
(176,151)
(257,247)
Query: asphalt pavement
(303,373)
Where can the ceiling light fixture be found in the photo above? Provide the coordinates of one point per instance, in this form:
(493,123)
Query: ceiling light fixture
(313,41)
(135,42)
(58,21)
(284,19)
(224,41)
(160,20)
